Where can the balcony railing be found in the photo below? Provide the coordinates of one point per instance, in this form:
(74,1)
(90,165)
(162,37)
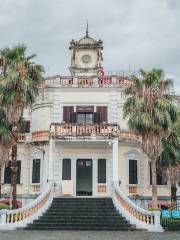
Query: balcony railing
(21,137)
(40,136)
(63,131)
(89,81)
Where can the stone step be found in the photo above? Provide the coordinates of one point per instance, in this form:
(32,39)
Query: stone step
(81,214)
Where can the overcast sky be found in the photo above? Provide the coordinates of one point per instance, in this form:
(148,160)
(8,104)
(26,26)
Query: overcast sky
(144,33)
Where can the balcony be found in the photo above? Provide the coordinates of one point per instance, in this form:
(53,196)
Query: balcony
(40,136)
(89,81)
(102,131)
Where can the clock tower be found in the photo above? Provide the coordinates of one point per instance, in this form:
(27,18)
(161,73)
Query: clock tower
(86,56)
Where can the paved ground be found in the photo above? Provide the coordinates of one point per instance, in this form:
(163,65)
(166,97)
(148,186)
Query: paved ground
(74,235)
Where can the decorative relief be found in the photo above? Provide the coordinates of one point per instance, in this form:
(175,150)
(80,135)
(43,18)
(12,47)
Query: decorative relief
(102,188)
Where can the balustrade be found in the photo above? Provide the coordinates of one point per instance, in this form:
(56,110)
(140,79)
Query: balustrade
(40,135)
(21,137)
(133,189)
(101,81)
(11,219)
(97,130)
(142,218)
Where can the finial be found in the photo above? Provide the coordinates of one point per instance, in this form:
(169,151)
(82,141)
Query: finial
(87,33)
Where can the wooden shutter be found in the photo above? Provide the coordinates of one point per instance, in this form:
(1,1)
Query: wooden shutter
(67,110)
(103,113)
(73,117)
(133,172)
(36,171)
(96,117)
(101,170)
(66,169)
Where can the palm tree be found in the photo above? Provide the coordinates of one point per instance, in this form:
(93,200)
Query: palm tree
(169,161)
(4,142)
(150,111)
(19,81)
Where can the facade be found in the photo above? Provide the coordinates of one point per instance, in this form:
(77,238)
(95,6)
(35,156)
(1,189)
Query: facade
(75,135)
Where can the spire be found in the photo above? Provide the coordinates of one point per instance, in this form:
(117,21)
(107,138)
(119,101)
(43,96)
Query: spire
(87,33)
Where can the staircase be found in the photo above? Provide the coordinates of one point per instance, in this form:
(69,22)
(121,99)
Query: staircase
(81,214)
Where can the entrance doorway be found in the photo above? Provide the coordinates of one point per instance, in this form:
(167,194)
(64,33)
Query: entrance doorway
(84,177)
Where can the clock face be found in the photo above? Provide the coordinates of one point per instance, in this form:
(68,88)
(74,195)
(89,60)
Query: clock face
(86,58)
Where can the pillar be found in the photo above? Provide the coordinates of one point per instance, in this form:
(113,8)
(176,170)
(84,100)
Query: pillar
(51,165)
(115,160)
(73,174)
(94,175)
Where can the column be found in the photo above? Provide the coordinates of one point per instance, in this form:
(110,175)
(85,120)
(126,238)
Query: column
(115,160)
(51,165)
(73,174)
(94,175)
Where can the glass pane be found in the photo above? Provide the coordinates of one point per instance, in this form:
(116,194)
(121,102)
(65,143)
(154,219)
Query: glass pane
(80,118)
(89,118)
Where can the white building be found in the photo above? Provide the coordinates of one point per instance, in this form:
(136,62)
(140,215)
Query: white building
(78,137)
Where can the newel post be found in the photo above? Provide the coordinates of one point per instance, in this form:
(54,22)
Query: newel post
(3,217)
(157,215)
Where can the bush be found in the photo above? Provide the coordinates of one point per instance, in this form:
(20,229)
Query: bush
(154,209)
(4,206)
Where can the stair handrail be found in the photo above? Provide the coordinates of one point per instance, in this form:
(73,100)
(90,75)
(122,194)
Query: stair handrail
(142,218)
(12,219)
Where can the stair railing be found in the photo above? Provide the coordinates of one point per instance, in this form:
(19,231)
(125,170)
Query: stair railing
(18,218)
(141,218)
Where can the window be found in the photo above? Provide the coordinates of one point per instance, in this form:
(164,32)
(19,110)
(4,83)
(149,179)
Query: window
(66,169)
(101,170)
(36,171)
(160,180)
(85,118)
(7,173)
(25,127)
(133,178)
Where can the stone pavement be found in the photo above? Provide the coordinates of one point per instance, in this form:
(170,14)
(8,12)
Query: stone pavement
(75,235)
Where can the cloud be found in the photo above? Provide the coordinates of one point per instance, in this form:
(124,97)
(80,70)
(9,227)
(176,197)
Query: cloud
(143,33)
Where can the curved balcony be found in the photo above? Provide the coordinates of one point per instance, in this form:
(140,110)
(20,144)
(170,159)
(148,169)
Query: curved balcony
(102,131)
(40,136)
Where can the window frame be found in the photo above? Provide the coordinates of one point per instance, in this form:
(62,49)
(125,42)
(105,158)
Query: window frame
(18,176)
(98,177)
(39,171)
(135,160)
(69,175)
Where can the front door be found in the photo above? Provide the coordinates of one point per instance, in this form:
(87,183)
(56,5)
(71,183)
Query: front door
(84,177)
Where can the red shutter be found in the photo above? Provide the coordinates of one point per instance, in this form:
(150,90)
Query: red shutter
(103,113)
(67,110)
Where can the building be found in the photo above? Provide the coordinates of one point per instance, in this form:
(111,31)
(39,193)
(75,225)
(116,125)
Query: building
(76,136)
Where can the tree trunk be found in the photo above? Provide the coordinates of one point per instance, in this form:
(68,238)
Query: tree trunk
(14,165)
(173,194)
(0,181)
(154,184)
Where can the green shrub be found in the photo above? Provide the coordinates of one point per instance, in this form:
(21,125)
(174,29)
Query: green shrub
(154,209)
(4,206)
